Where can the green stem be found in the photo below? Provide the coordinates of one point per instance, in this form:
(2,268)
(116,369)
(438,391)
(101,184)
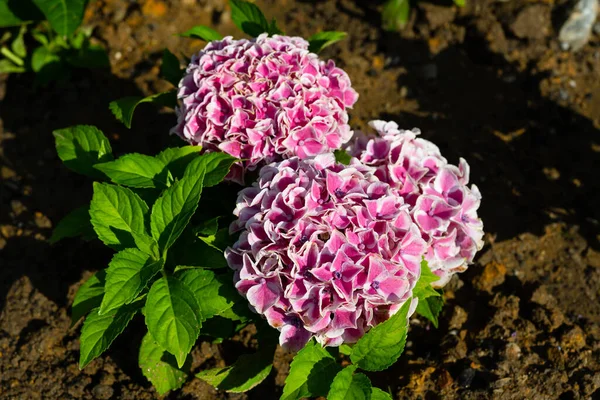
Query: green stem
(11,56)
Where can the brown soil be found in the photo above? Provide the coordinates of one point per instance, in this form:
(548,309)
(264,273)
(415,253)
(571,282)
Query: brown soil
(487,82)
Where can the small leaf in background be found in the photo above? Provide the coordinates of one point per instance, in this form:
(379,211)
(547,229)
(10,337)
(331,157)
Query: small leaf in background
(347,385)
(64,15)
(170,68)
(382,345)
(423,288)
(76,223)
(248,18)
(99,331)
(173,210)
(430,308)
(128,273)
(460,3)
(173,317)
(81,147)
(342,157)
(177,158)
(248,371)
(217,166)
(378,394)
(160,367)
(345,349)
(213,293)
(41,57)
(136,170)
(395,14)
(88,296)
(115,213)
(7,67)
(203,33)
(194,252)
(319,41)
(123,108)
(13,13)
(311,373)
(18,45)
(207,228)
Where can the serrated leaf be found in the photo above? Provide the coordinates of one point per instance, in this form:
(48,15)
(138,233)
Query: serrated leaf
(177,158)
(13,13)
(217,165)
(395,14)
(213,293)
(203,33)
(382,345)
(160,367)
(128,273)
(248,371)
(99,331)
(311,373)
(378,394)
(117,214)
(320,40)
(123,108)
(64,15)
(342,157)
(76,223)
(248,18)
(80,147)
(423,288)
(348,385)
(88,296)
(137,170)
(430,308)
(172,211)
(173,317)
(170,69)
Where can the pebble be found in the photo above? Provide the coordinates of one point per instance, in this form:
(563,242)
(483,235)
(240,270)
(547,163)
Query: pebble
(103,392)
(512,351)
(576,31)
(533,22)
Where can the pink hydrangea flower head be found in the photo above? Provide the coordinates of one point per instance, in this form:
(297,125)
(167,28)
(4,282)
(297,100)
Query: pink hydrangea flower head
(263,100)
(441,204)
(325,251)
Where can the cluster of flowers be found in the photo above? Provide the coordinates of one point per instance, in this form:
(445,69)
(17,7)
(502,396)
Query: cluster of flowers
(325,250)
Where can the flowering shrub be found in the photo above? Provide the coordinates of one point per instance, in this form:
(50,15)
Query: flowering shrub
(326,250)
(329,254)
(262,100)
(441,204)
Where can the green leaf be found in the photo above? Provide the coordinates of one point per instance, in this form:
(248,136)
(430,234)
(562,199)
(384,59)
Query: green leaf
(13,13)
(137,170)
(217,165)
(248,18)
(173,317)
(208,228)
(7,67)
(170,69)
(80,147)
(173,210)
(203,33)
(382,345)
(18,45)
(160,367)
(460,3)
(89,296)
(128,273)
(99,331)
(345,349)
(430,308)
(64,15)
(350,386)
(423,288)
(395,14)
(177,158)
(342,157)
(311,373)
(319,41)
(41,57)
(123,108)
(117,215)
(194,252)
(378,394)
(213,293)
(247,372)
(76,223)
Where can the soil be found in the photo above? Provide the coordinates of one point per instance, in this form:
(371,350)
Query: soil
(488,82)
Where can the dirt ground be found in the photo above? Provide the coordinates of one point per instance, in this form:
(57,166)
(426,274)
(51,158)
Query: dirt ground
(488,82)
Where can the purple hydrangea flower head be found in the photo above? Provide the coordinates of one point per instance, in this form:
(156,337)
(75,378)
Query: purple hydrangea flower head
(263,100)
(441,204)
(325,250)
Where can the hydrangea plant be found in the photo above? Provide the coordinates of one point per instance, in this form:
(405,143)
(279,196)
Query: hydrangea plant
(329,259)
